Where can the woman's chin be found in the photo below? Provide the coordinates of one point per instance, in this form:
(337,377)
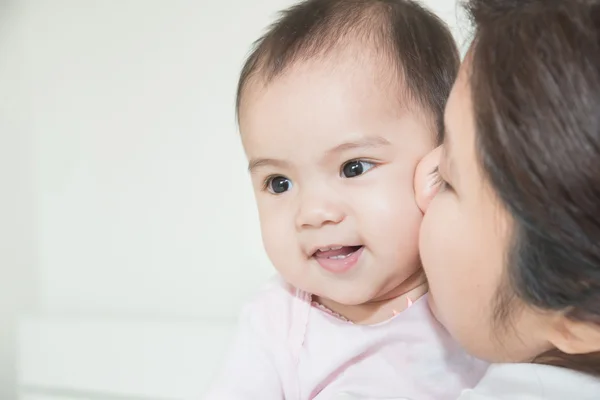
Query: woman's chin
(432,306)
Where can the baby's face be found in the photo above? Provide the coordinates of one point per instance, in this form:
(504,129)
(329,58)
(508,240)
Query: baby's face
(332,155)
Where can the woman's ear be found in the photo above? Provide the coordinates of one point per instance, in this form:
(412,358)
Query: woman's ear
(426,179)
(575,337)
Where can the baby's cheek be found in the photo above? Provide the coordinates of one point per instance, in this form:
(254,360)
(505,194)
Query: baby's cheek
(398,205)
(408,220)
(273,236)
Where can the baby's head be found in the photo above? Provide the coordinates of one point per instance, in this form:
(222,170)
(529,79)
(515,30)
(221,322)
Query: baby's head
(336,105)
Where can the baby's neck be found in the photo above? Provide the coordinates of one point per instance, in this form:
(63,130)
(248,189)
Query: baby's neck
(385,307)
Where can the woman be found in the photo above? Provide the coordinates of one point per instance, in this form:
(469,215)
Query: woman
(511,243)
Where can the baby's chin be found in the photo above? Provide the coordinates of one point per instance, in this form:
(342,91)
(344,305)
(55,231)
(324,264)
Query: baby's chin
(347,299)
(349,294)
(361,288)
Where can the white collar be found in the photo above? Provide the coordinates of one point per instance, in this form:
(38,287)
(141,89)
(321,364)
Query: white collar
(533,382)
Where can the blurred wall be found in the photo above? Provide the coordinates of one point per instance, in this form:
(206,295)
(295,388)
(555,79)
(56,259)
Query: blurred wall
(124,195)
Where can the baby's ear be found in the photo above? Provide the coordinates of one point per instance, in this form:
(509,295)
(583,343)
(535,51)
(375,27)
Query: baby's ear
(426,179)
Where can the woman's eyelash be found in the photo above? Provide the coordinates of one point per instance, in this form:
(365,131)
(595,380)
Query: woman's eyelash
(437,179)
(435,176)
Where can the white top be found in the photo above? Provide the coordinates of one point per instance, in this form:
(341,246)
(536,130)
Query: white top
(533,382)
(286,348)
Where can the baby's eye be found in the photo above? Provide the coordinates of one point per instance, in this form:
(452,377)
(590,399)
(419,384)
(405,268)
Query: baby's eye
(278,184)
(355,168)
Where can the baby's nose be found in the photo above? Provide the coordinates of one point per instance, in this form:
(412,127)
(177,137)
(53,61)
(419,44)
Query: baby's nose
(318,210)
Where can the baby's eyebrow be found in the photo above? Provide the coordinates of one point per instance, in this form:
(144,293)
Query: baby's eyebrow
(373,141)
(256,163)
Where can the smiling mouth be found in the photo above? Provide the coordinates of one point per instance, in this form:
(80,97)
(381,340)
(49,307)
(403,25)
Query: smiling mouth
(336,253)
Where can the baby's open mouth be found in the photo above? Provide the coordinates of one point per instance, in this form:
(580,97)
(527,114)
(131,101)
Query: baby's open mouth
(336,253)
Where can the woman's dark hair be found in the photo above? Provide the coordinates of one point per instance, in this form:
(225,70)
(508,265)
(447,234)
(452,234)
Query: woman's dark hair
(535,85)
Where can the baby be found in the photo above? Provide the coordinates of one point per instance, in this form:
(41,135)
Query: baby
(337,104)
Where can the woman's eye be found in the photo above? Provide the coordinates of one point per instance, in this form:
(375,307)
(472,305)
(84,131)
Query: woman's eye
(278,184)
(445,186)
(355,168)
(437,180)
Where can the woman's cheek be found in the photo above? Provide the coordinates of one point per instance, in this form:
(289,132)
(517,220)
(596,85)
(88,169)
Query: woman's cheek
(430,247)
(436,249)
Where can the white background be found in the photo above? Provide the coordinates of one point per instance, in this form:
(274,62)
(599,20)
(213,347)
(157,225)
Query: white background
(128,234)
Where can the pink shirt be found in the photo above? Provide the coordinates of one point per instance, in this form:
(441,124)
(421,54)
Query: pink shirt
(288,349)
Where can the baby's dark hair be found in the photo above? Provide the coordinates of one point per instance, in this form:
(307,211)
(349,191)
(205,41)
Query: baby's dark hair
(419,45)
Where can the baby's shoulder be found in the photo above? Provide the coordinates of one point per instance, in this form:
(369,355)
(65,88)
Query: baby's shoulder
(274,308)
(273,296)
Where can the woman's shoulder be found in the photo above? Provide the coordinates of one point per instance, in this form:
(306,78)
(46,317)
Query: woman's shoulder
(533,382)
